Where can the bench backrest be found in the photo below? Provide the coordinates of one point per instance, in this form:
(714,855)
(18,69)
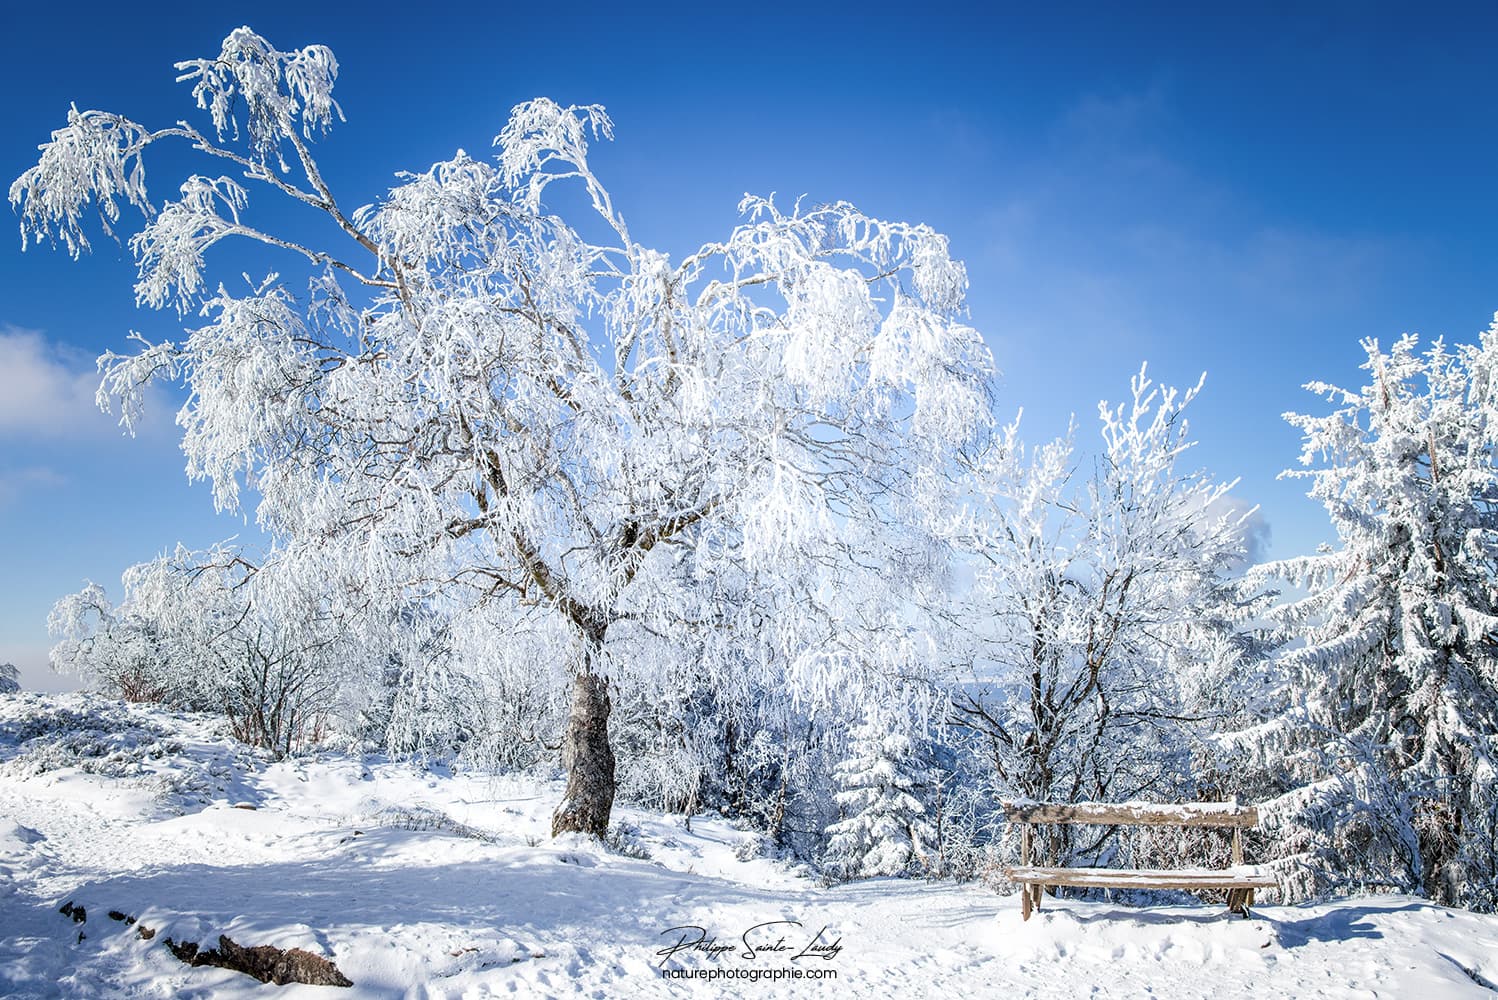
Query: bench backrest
(1218,814)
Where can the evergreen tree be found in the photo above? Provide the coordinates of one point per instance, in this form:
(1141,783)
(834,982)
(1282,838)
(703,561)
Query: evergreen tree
(884,830)
(1391,653)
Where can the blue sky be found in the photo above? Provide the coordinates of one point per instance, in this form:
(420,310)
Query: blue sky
(1241,195)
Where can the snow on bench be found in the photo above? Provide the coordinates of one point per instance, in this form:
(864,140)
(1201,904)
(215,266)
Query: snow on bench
(1238,876)
(1239,880)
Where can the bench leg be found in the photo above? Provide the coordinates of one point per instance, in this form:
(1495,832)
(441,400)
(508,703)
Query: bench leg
(1024,901)
(1239,901)
(1039,893)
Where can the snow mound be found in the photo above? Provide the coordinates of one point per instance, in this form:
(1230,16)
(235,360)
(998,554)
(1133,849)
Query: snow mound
(17,839)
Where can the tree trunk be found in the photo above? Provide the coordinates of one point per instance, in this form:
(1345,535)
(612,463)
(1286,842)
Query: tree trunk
(588,760)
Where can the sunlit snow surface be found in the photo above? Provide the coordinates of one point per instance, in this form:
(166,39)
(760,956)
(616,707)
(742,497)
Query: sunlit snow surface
(123,809)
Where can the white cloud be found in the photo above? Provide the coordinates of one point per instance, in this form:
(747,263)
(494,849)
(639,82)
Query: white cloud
(47,390)
(14,482)
(1254,529)
(1116,119)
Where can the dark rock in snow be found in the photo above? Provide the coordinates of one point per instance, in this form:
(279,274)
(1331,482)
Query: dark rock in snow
(266,963)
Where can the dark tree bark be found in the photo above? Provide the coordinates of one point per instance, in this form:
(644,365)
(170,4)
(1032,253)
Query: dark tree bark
(588,759)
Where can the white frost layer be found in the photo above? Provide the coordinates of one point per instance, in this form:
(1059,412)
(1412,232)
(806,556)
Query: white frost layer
(1137,811)
(1144,878)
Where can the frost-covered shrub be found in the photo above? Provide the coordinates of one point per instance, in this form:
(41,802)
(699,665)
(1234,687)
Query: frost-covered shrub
(419,818)
(185,760)
(749,848)
(964,811)
(182,787)
(482,686)
(274,646)
(38,735)
(669,747)
(627,839)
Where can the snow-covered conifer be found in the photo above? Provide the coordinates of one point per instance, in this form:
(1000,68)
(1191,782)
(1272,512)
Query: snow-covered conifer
(1389,658)
(884,829)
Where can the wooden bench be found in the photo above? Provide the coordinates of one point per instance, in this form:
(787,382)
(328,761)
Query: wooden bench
(1239,880)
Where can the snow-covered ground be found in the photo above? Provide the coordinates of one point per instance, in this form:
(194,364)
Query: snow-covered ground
(430,884)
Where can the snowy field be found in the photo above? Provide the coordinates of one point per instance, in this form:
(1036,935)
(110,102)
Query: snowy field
(423,884)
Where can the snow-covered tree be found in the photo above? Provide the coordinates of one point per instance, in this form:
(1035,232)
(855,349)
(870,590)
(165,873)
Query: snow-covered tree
(884,829)
(269,645)
(125,654)
(1095,603)
(481,394)
(1390,666)
(10,678)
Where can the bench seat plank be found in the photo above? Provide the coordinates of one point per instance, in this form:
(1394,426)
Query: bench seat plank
(1239,877)
(1216,814)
